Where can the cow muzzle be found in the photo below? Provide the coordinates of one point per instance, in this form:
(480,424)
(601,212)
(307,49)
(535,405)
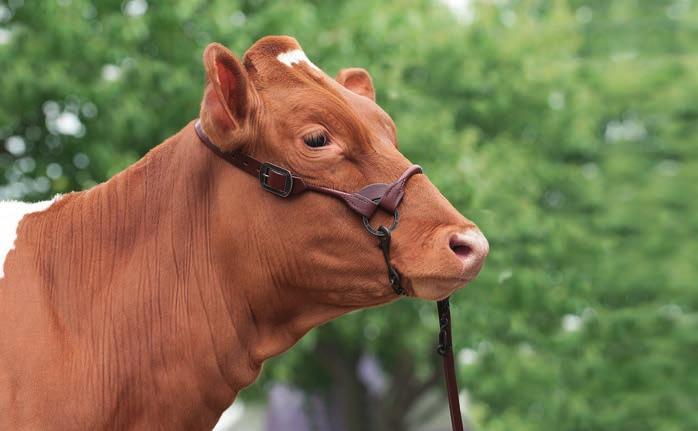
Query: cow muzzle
(471,248)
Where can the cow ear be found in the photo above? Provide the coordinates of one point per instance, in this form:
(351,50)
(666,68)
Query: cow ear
(229,98)
(357,80)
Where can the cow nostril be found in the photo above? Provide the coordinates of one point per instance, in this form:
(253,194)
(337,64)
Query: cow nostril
(461,250)
(470,247)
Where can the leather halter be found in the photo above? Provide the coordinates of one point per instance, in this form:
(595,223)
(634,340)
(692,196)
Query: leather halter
(365,202)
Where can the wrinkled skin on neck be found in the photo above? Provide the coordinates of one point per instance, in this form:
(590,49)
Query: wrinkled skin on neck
(151,300)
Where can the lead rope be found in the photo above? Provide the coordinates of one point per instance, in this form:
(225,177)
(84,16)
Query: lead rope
(384,235)
(393,275)
(445,349)
(445,346)
(443,307)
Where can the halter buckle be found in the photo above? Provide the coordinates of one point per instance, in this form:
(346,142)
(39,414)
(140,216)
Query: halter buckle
(269,175)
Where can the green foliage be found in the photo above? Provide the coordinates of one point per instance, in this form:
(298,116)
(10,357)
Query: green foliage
(565,129)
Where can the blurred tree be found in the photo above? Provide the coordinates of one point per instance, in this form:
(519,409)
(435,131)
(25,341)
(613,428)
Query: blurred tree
(565,129)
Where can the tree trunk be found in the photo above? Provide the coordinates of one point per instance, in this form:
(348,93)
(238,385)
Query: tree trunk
(353,406)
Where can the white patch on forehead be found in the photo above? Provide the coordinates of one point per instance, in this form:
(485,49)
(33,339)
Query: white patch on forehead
(290,58)
(11,213)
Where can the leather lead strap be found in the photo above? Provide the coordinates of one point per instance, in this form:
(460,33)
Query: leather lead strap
(445,349)
(393,275)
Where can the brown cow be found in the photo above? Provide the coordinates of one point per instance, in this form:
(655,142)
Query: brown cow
(149,301)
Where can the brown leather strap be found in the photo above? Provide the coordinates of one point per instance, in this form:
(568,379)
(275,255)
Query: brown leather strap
(445,349)
(282,182)
(275,178)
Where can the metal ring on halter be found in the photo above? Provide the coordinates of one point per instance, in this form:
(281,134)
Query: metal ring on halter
(376,231)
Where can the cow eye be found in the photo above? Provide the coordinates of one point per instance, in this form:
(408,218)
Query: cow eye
(316,140)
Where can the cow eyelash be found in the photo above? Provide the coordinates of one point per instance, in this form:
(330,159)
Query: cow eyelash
(316,140)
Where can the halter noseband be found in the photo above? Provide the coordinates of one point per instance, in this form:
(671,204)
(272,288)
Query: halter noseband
(365,202)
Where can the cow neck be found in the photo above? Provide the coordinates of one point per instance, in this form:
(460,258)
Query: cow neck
(141,248)
(113,295)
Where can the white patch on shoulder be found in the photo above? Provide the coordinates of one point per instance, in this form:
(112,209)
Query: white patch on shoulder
(11,213)
(290,58)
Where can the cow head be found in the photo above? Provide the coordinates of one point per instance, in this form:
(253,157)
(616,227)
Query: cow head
(277,106)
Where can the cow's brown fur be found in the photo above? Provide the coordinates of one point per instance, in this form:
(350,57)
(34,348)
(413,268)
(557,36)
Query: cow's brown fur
(149,301)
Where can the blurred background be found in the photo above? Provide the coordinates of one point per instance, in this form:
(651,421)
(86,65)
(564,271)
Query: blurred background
(566,129)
